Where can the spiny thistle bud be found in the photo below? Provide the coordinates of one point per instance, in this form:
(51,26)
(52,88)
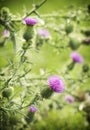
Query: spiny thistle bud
(46,93)
(71,66)
(4,13)
(29,32)
(7,92)
(85,68)
(69,28)
(30,115)
(74,44)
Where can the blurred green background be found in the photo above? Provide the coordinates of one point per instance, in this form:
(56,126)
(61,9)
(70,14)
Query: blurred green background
(17,6)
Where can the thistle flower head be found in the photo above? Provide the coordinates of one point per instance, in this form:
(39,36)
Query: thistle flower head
(69,98)
(30,21)
(44,33)
(33,109)
(6,33)
(56,84)
(76,57)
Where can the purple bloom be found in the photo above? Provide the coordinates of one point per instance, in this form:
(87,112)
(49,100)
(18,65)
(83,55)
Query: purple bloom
(33,109)
(6,33)
(30,21)
(69,98)
(76,57)
(44,33)
(56,84)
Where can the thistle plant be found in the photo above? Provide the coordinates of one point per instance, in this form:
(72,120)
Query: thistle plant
(48,68)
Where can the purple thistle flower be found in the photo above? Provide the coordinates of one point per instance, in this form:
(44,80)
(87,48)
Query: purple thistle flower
(69,98)
(76,57)
(56,84)
(30,21)
(33,109)
(6,33)
(44,33)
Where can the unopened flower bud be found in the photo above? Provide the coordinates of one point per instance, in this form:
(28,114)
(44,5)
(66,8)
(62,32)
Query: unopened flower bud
(4,13)
(68,28)
(71,66)
(46,93)
(85,68)
(7,92)
(28,34)
(74,44)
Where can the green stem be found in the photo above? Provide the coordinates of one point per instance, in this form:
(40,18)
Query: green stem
(35,8)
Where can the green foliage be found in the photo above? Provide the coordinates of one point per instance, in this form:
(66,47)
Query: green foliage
(66,119)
